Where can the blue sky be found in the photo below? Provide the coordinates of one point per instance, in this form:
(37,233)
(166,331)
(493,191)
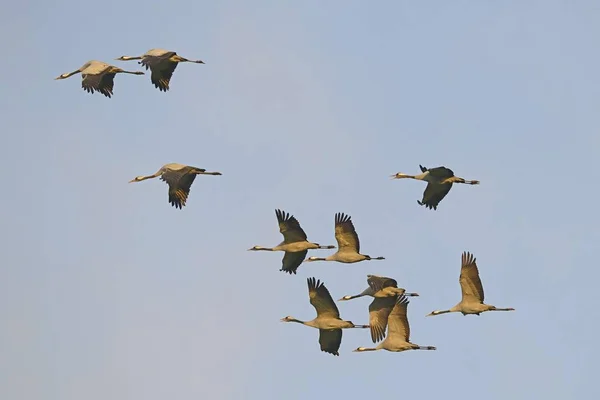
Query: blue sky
(106,291)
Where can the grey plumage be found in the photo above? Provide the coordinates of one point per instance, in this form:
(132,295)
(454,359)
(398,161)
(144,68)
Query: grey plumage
(328,320)
(439,182)
(385,291)
(398,337)
(98,76)
(162,64)
(179,177)
(473,297)
(348,243)
(295,243)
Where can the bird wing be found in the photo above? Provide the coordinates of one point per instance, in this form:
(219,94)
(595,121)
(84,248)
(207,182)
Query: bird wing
(345,234)
(434,193)
(102,82)
(179,182)
(379,282)
(379,311)
(330,340)
(440,172)
(470,283)
(291,261)
(321,299)
(289,227)
(398,321)
(162,69)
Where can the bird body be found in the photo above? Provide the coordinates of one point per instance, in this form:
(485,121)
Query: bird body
(439,182)
(385,292)
(98,76)
(162,64)
(380,287)
(348,243)
(295,243)
(328,319)
(398,337)
(179,177)
(473,297)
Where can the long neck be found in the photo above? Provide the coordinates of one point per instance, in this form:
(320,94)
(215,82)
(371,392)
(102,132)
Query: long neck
(143,178)
(438,312)
(259,248)
(366,349)
(297,321)
(502,309)
(352,297)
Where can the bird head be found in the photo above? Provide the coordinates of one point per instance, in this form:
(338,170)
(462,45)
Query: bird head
(137,179)
(287,319)
(399,175)
(312,258)
(359,349)
(66,75)
(254,248)
(126,58)
(345,298)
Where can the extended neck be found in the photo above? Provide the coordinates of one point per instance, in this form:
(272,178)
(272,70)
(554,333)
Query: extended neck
(317,259)
(351,297)
(502,309)
(374,258)
(259,248)
(438,312)
(128,58)
(366,349)
(325,247)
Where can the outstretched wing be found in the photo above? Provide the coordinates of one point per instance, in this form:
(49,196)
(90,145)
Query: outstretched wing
(103,83)
(321,299)
(434,193)
(398,321)
(291,261)
(289,227)
(179,182)
(162,69)
(330,340)
(345,234)
(470,283)
(379,311)
(379,282)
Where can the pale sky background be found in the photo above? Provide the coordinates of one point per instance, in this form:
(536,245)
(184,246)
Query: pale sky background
(107,292)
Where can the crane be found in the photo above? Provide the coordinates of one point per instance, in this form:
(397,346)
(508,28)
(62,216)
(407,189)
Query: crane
(472,290)
(398,337)
(385,291)
(295,243)
(348,243)
(98,76)
(162,63)
(439,182)
(328,320)
(179,177)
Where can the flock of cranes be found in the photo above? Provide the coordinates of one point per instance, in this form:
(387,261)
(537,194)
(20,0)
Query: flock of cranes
(388,310)
(99,76)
